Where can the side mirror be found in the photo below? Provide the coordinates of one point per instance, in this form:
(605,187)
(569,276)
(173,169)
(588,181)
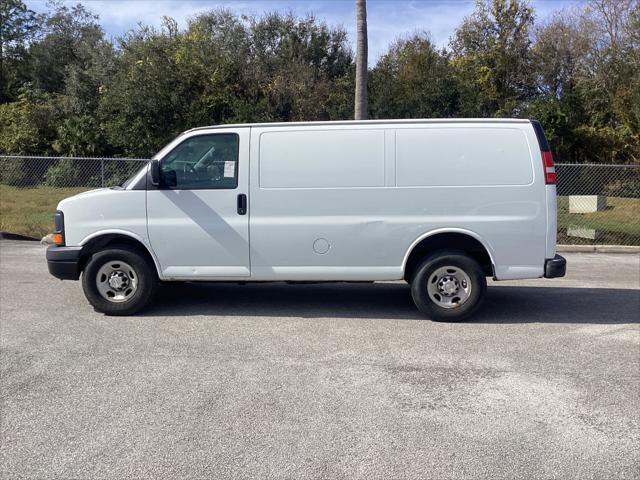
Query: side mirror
(155,172)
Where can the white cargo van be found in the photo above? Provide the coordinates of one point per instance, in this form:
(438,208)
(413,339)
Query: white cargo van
(441,204)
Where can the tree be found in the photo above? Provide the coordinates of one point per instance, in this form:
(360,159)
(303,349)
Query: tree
(27,126)
(561,52)
(144,103)
(221,69)
(414,80)
(65,89)
(72,37)
(491,55)
(294,65)
(361,60)
(17,26)
(587,75)
(613,79)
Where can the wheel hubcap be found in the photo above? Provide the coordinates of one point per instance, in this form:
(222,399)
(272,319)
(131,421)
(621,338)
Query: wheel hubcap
(449,287)
(116,281)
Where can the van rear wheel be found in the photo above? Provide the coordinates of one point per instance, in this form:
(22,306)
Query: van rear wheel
(448,286)
(119,281)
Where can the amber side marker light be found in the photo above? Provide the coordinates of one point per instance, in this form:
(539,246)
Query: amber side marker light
(58,228)
(58,238)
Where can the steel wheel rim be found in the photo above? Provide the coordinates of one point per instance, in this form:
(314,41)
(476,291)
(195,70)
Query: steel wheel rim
(116,281)
(449,287)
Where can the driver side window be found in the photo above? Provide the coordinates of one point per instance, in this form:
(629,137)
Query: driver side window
(203,162)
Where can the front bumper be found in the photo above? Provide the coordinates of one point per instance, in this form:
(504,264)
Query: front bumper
(555,267)
(64,262)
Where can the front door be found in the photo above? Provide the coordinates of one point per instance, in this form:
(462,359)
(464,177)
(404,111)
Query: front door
(197,217)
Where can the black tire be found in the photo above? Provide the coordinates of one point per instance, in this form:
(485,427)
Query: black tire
(144,273)
(426,270)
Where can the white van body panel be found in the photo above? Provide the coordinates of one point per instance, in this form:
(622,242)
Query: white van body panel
(462,156)
(102,211)
(341,201)
(325,152)
(371,217)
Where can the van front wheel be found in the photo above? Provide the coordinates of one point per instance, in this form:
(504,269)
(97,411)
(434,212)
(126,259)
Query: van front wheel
(119,281)
(448,286)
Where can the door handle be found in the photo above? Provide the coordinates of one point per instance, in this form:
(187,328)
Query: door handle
(242,204)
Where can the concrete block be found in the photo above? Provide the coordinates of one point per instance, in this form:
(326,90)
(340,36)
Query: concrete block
(581,232)
(587,203)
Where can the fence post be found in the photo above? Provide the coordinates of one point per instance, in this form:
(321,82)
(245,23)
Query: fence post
(102,170)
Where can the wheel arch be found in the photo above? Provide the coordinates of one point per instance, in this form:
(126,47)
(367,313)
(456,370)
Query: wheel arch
(100,240)
(450,239)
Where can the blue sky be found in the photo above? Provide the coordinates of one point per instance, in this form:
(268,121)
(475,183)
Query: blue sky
(387,19)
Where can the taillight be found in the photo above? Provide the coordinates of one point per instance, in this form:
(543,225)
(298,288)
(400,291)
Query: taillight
(549,168)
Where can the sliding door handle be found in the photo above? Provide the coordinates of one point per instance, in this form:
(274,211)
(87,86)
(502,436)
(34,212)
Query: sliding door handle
(242,204)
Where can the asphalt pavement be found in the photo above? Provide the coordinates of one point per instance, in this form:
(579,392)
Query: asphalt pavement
(321,381)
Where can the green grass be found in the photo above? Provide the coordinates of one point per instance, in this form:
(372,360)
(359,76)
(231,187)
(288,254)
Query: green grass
(29,211)
(618,223)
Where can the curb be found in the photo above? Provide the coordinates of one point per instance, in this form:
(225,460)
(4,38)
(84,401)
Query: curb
(598,249)
(17,236)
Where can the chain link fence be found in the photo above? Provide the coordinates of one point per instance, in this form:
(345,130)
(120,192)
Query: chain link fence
(597,204)
(31,186)
(64,172)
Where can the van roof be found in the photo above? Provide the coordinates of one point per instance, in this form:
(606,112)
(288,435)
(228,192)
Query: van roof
(367,122)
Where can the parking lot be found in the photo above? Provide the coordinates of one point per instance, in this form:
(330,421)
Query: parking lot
(321,381)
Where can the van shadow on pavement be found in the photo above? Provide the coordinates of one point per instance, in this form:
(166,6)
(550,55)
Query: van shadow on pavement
(506,304)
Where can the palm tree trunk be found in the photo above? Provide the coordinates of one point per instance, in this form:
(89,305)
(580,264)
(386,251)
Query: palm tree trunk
(361,60)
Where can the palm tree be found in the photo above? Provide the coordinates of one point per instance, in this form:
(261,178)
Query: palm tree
(361,60)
